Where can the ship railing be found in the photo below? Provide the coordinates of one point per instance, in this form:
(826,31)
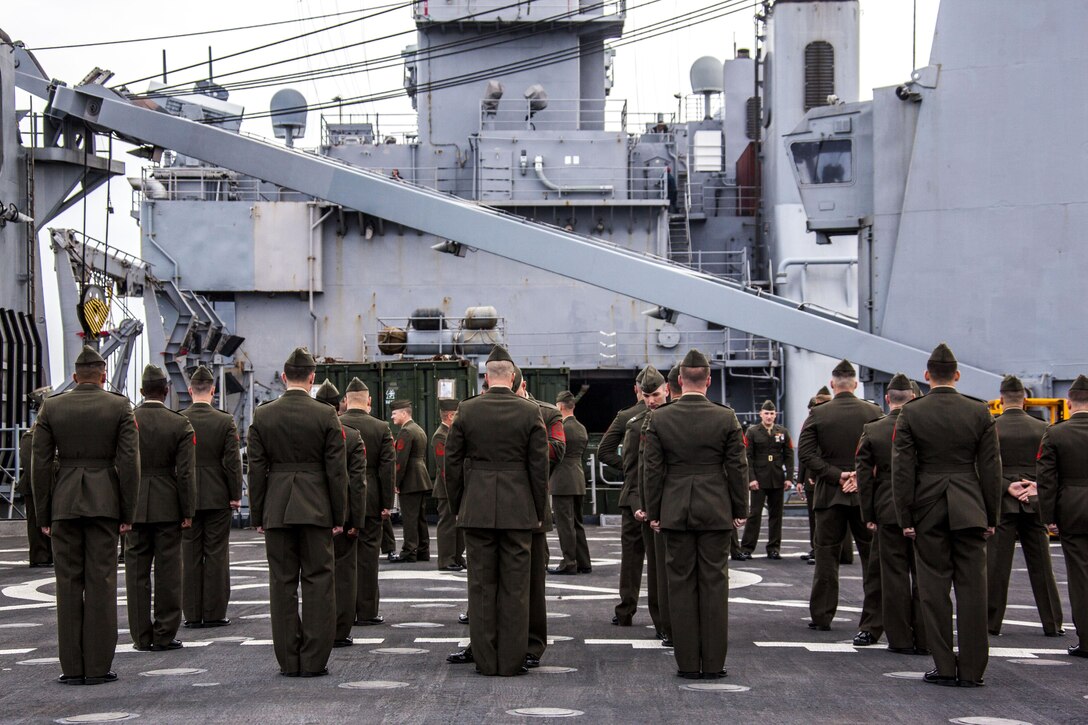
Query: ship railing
(560,114)
(433,335)
(745,347)
(729,200)
(606,348)
(724,264)
(693,107)
(504,10)
(368,129)
(10,468)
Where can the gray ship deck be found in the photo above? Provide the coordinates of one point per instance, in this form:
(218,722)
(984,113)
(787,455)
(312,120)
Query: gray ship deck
(779,671)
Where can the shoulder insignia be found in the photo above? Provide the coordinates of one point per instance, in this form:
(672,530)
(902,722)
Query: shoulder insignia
(977,400)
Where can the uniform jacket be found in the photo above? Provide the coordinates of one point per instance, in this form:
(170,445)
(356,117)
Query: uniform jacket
(557,450)
(1062,475)
(1019,436)
(631,493)
(828,442)
(438,447)
(381,458)
(769,454)
(218,473)
(412,476)
(26,457)
(696,475)
(874,467)
(356,465)
(945,447)
(497,462)
(568,478)
(297,464)
(167,458)
(608,449)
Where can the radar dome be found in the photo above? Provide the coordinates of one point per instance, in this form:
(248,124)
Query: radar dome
(706,75)
(288,111)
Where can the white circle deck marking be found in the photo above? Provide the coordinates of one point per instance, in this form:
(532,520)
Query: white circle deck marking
(553,670)
(20,625)
(373,685)
(433,605)
(400,651)
(418,625)
(983,720)
(557,615)
(172,672)
(205,684)
(904,675)
(714,687)
(99,717)
(545,712)
(236,638)
(1044,663)
(40,661)
(256,616)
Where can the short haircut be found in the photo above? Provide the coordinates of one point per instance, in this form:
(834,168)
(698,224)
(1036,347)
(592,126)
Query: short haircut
(566,405)
(675,389)
(844,380)
(155,388)
(694,376)
(297,373)
(1078,396)
(1013,396)
(202,387)
(357,397)
(941,373)
(500,369)
(90,372)
(899,397)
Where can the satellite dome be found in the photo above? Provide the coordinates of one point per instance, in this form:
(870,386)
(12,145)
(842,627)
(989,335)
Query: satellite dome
(288,110)
(706,75)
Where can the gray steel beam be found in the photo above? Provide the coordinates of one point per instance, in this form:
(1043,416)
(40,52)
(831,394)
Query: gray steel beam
(544,247)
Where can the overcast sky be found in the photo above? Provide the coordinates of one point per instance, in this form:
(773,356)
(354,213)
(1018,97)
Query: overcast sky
(647,73)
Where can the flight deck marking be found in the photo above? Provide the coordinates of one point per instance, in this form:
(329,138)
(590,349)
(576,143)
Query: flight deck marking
(632,643)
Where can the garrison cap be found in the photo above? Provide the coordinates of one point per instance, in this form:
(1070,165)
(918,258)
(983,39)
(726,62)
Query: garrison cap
(916,388)
(499,354)
(813,401)
(401,404)
(942,354)
(674,376)
(844,369)
(899,381)
(201,375)
(328,393)
(301,358)
(641,374)
(448,405)
(767,405)
(89,356)
(823,391)
(651,379)
(695,359)
(1079,385)
(356,386)
(565,398)
(1011,384)
(517,379)
(152,374)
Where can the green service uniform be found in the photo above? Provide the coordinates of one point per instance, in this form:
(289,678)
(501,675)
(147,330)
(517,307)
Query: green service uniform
(568,488)
(39,546)
(1019,435)
(946,480)
(381,471)
(770,463)
(696,484)
(632,543)
(657,575)
(891,558)
(86,475)
(1062,477)
(298,486)
(345,545)
(497,480)
(166,497)
(451,540)
(205,546)
(414,486)
(828,442)
(540,555)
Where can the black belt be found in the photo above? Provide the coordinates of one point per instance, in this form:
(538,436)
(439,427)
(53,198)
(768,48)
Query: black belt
(85,462)
(690,468)
(302,467)
(958,468)
(497,465)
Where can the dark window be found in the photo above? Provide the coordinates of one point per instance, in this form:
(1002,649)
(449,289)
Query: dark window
(752,121)
(823,162)
(819,73)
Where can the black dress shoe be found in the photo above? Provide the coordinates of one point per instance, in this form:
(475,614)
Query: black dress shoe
(345,642)
(971,683)
(811,561)
(216,622)
(460,657)
(744,556)
(585,570)
(933,678)
(523,670)
(40,565)
(369,622)
(70,679)
(320,673)
(1059,632)
(402,559)
(1077,651)
(667,642)
(192,624)
(806,557)
(423,557)
(689,675)
(453,567)
(561,571)
(391,556)
(624,622)
(864,639)
(462,618)
(289,674)
(142,647)
(531,661)
(172,644)
(735,557)
(820,627)
(715,675)
(108,677)
(773,555)
(994,632)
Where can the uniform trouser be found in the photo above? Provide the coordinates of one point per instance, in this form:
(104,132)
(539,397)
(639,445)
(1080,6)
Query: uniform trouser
(657,579)
(417,539)
(632,554)
(772,498)
(451,540)
(206,571)
(567,511)
(698,570)
(345,575)
(949,558)
(301,555)
(1075,548)
(158,544)
(499,563)
(369,549)
(538,603)
(901,609)
(40,549)
(832,523)
(389,540)
(810,492)
(85,564)
(999,554)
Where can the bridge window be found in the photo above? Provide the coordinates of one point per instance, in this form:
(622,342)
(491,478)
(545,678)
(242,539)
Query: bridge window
(823,162)
(819,73)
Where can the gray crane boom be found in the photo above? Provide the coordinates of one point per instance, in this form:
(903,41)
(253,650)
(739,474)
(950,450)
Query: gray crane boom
(548,248)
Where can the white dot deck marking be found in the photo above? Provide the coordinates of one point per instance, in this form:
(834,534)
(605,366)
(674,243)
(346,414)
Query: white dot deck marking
(545,712)
(714,687)
(205,684)
(99,717)
(173,672)
(904,675)
(1037,661)
(554,670)
(373,685)
(417,625)
(20,625)
(433,605)
(982,720)
(557,615)
(41,661)
(400,651)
